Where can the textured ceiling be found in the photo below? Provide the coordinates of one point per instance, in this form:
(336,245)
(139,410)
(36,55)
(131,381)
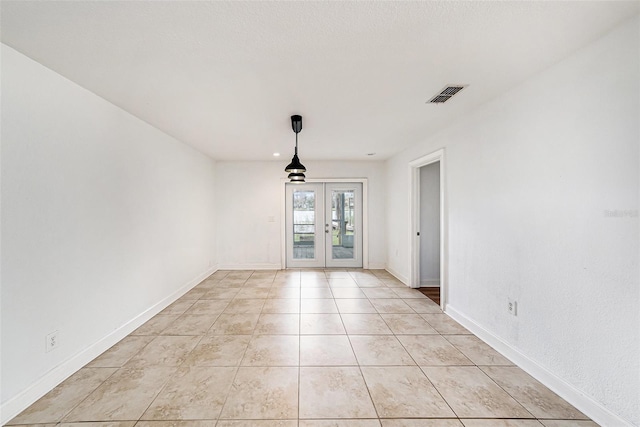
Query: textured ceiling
(224,77)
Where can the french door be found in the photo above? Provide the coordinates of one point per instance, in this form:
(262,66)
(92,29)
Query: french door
(324,225)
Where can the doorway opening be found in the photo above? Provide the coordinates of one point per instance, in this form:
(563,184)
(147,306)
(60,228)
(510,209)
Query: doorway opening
(428,239)
(430,229)
(324,225)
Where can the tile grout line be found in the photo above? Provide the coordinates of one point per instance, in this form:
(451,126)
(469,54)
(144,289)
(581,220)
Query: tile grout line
(422,371)
(360,368)
(299,345)
(503,389)
(85,398)
(233,381)
(172,376)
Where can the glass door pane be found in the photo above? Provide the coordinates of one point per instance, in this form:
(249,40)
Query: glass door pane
(304,224)
(342,223)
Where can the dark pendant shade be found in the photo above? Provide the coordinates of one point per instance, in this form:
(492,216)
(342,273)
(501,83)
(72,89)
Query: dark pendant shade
(296,168)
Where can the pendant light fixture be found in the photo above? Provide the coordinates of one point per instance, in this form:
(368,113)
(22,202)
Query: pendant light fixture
(295,168)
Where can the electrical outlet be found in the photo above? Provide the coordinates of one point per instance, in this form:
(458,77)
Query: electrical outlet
(512,307)
(52,341)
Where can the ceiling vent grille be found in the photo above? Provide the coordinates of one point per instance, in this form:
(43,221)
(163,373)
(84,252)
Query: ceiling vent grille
(446,94)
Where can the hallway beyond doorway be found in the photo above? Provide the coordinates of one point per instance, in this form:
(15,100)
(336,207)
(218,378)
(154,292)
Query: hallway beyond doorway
(432,292)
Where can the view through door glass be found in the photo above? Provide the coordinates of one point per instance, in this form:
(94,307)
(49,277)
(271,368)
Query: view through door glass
(304,224)
(342,224)
(305,241)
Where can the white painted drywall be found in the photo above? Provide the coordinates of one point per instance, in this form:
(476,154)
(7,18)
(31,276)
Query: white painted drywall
(430,225)
(249,208)
(542,187)
(103,217)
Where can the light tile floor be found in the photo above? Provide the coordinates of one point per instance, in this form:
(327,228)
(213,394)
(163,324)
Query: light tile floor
(305,348)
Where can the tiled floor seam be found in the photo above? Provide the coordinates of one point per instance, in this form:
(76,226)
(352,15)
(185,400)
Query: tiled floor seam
(507,392)
(360,368)
(233,381)
(85,398)
(299,349)
(426,376)
(160,389)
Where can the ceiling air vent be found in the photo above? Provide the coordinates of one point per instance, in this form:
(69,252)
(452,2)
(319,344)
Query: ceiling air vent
(446,94)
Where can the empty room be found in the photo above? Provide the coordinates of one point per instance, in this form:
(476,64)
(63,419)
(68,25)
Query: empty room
(320,213)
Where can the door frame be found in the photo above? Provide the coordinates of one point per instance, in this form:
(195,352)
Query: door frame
(414,222)
(365,215)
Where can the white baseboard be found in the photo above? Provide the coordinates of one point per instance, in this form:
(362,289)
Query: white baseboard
(258,266)
(588,406)
(430,283)
(64,370)
(376,266)
(278,266)
(398,276)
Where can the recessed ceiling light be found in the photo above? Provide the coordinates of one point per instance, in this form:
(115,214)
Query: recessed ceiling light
(276,154)
(371,154)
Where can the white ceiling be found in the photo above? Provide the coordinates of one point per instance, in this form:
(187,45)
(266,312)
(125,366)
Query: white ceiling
(224,77)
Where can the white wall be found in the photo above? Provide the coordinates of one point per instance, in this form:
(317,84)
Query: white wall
(530,178)
(430,225)
(104,220)
(250,193)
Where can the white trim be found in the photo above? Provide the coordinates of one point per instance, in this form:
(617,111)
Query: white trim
(64,370)
(398,276)
(365,217)
(588,406)
(283,223)
(376,266)
(249,266)
(414,222)
(335,180)
(365,223)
